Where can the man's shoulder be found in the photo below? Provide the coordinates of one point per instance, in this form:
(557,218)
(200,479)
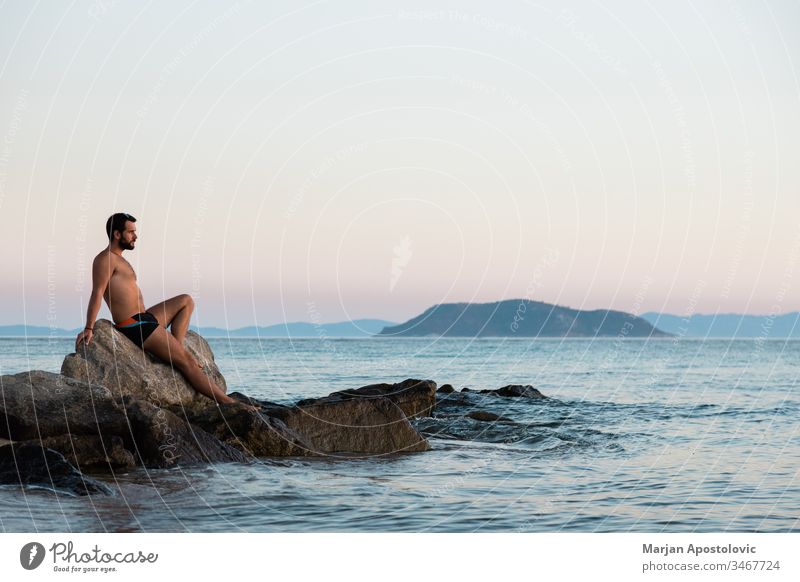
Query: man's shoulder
(105,256)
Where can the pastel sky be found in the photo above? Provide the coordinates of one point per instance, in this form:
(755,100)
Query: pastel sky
(321,161)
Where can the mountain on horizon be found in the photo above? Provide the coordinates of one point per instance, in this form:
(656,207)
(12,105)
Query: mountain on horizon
(521,318)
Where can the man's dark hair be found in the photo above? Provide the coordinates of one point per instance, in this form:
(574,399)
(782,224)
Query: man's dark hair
(117,222)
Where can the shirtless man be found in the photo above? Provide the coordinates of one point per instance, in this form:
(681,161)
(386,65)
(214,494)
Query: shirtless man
(114,280)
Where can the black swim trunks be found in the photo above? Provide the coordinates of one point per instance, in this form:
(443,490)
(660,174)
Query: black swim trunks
(139,327)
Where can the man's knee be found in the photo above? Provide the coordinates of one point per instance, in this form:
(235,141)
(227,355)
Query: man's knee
(187,301)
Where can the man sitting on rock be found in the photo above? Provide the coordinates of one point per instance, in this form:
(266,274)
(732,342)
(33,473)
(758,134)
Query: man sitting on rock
(114,280)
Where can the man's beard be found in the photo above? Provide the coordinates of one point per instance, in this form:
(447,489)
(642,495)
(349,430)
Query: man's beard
(125,246)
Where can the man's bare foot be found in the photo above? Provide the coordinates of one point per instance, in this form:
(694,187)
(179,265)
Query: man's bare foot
(253,407)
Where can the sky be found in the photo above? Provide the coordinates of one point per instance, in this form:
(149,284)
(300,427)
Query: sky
(324,161)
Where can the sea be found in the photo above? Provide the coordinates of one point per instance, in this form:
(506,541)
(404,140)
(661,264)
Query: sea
(659,435)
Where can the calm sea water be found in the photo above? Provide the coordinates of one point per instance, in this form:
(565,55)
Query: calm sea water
(661,435)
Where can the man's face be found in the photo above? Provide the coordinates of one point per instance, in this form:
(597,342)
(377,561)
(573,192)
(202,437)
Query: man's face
(127,238)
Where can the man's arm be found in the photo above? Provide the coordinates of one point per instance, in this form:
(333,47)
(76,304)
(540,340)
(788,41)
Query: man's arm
(101,275)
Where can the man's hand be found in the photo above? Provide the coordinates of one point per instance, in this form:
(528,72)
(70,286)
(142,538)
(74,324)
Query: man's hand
(85,336)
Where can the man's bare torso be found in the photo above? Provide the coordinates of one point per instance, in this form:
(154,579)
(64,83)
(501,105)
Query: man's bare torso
(122,295)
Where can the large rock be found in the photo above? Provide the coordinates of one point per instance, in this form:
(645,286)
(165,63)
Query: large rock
(93,454)
(162,439)
(256,434)
(357,425)
(31,465)
(37,404)
(414,397)
(87,424)
(373,426)
(113,361)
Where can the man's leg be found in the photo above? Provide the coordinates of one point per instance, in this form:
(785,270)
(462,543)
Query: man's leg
(175,312)
(166,347)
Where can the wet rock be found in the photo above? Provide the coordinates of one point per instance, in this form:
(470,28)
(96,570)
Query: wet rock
(485,416)
(358,425)
(321,426)
(415,398)
(113,361)
(446,389)
(255,434)
(31,465)
(516,391)
(93,454)
(162,439)
(37,404)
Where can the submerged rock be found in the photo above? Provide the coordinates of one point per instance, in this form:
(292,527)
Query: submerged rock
(31,465)
(446,389)
(113,361)
(516,391)
(485,416)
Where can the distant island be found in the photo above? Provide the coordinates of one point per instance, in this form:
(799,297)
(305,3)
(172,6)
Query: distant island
(521,318)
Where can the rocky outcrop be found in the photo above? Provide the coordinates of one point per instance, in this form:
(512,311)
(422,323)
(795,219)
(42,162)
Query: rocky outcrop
(40,404)
(415,398)
(91,454)
(353,425)
(114,408)
(516,391)
(96,431)
(31,465)
(322,426)
(511,391)
(162,439)
(256,434)
(113,361)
